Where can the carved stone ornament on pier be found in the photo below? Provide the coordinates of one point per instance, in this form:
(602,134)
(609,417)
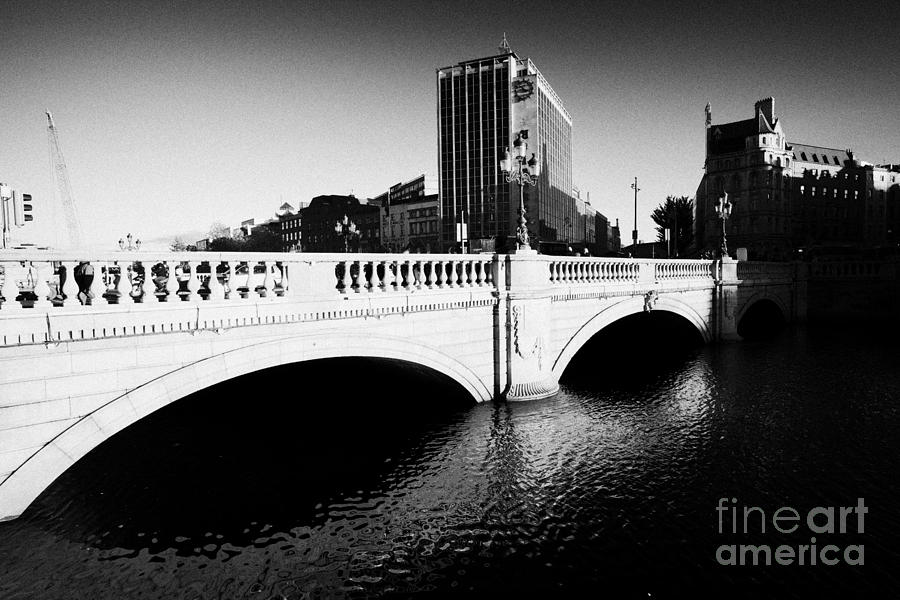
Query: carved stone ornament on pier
(650,299)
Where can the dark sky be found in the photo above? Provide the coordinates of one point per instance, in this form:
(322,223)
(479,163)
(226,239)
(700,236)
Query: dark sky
(174,115)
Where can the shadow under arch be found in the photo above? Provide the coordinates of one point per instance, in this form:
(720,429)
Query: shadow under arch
(762,316)
(27,482)
(620,310)
(758,297)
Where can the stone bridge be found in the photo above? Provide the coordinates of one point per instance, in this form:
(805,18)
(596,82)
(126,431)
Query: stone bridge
(160,327)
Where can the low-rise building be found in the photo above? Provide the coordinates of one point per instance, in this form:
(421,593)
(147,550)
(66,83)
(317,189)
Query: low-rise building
(409,216)
(334,223)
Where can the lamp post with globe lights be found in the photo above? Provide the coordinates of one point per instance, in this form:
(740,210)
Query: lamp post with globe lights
(524,172)
(345,228)
(723,210)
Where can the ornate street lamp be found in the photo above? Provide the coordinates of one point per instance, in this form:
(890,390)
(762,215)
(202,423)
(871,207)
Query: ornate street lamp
(524,172)
(129,246)
(345,228)
(723,210)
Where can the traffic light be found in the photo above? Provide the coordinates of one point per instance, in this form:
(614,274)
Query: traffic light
(22,209)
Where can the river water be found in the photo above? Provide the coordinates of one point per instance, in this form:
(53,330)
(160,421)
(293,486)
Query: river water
(361,478)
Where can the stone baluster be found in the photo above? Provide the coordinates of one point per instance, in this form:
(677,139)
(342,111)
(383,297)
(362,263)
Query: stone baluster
(268,282)
(375,283)
(249,283)
(193,283)
(216,289)
(172,286)
(70,286)
(255,287)
(41,289)
(357,277)
(139,284)
(412,282)
(430,276)
(281,281)
(344,279)
(449,270)
(437,274)
(390,276)
(10,290)
(230,283)
(420,274)
(97,288)
(113,280)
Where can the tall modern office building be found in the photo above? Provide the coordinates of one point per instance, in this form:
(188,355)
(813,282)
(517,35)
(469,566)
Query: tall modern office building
(482,105)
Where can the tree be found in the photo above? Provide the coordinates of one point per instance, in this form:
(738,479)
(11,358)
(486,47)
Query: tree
(178,245)
(263,239)
(676,212)
(218,230)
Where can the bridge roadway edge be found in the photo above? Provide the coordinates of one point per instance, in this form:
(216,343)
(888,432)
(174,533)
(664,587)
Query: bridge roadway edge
(149,355)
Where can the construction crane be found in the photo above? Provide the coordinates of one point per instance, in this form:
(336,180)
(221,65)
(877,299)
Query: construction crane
(63,187)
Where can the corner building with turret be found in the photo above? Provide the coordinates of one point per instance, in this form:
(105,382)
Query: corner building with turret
(789,198)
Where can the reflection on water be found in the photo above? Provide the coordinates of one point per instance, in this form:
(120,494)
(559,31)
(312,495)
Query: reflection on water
(612,484)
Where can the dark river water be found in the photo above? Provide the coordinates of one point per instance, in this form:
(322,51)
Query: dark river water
(352,478)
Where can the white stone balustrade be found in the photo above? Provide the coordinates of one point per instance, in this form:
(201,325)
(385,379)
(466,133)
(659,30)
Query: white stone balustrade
(587,270)
(851,269)
(765,270)
(230,289)
(148,278)
(684,269)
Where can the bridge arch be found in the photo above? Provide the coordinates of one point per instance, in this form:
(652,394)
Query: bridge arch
(761,315)
(27,482)
(759,296)
(620,310)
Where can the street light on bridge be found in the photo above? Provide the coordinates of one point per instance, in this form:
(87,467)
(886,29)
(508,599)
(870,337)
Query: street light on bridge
(129,246)
(345,228)
(723,210)
(524,172)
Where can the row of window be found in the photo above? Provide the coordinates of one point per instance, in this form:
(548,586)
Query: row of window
(824,192)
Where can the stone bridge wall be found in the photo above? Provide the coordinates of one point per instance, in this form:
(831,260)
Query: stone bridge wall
(160,327)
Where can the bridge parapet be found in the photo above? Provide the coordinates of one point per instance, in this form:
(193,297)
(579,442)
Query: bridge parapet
(585,270)
(776,271)
(55,299)
(859,269)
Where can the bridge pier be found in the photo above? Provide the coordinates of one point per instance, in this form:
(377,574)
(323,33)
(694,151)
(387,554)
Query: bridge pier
(528,327)
(725,301)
